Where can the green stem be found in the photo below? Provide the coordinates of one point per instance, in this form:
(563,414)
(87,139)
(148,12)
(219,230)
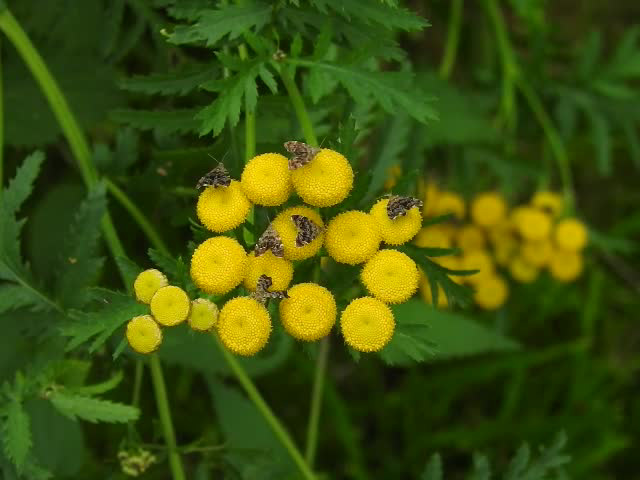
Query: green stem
(249,142)
(138,216)
(137,383)
(553,137)
(265,411)
(316,401)
(164,412)
(1,123)
(510,70)
(298,105)
(453,39)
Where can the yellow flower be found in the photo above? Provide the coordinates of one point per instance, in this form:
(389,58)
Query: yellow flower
(223,208)
(325,181)
(488,209)
(425,292)
(430,199)
(144,334)
(244,326)
(309,312)
(288,232)
(352,237)
(147,284)
(449,202)
(203,316)
(571,234)
(491,293)
(476,260)
(470,237)
(565,266)
(400,230)
(435,236)
(504,249)
(266,179)
(532,224)
(218,265)
(549,202)
(390,276)
(538,253)
(522,271)
(279,269)
(392,177)
(367,324)
(170,306)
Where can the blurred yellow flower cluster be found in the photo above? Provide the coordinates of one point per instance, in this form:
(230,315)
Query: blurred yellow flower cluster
(498,240)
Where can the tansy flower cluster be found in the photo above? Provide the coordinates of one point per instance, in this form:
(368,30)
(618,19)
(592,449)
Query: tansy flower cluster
(319,177)
(520,242)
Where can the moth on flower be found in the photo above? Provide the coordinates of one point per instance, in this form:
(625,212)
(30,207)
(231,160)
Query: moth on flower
(270,240)
(302,154)
(399,206)
(218,177)
(262,293)
(308,231)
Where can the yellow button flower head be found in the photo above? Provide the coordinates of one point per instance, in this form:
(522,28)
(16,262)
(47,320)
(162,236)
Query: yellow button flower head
(266,179)
(309,313)
(367,324)
(491,293)
(435,236)
(565,266)
(430,202)
(571,234)
(218,265)
(223,208)
(144,334)
(147,284)
(279,269)
(538,253)
(288,232)
(532,223)
(504,249)
(470,237)
(477,260)
(393,173)
(325,181)
(400,230)
(390,276)
(549,202)
(449,202)
(203,316)
(425,293)
(352,237)
(488,209)
(170,306)
(522,271)
(244,326)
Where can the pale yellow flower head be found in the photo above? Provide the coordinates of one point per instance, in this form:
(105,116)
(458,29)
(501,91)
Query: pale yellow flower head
(170,306)
(147,284)
(143,334)
(203,316)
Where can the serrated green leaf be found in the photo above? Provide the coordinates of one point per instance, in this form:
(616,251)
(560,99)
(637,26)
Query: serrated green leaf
(14,296)
(21,185)
(100,388)
(174,268)
(411,341)
(16,436)
(433,470)
(174,83)
(169,121)
(92,409)
(129,270)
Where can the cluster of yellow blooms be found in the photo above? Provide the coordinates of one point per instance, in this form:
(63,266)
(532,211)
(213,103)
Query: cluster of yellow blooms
(521,241)
(308,311)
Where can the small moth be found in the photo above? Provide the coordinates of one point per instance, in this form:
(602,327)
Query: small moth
(262,293)
(218,177)
(270,240)
(302,154)
(399,206)
(308,231)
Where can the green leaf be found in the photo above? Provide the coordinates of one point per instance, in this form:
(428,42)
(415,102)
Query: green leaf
(14,296)
(174,268)
(231,20)
(550,459)
(174,83)
(481,468)
(16,436)
(21,185)
(168,121)
(129,270)
(433,470)
(411,340)
(92,409)
(102,387)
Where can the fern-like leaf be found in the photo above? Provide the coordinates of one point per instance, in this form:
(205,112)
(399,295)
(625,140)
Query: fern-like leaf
(175,83)
(433,470)
(16,436)
(92,409)
(168,121)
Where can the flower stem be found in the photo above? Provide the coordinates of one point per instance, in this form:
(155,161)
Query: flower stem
(298,105)
(164,412)
(138,216)
(1,122)
(316,401)
(453,39)
(265,411)
(249,143)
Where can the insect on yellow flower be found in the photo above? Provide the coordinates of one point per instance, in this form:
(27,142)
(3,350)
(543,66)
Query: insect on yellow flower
(170,306)
(488,209)
(286,228)
(571,234)
(278,269)
(352,237)
(266,179)
(203,316)
(309,313)
(223,208)
(144,334)
(367,324)
(390,276)
(400,230)
(218,265)
(147,284)
(244,326)
(491,292)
